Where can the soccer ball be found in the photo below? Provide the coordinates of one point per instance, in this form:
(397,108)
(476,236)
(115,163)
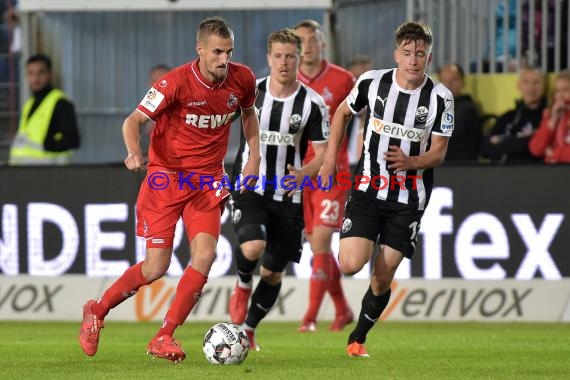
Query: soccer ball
(226,343)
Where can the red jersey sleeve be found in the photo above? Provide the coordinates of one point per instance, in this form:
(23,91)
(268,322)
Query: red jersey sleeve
(159,97)
(251,89)
(542,138)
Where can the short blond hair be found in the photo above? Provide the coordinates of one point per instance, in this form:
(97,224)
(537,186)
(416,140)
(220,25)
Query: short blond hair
(284,36)
(216,26)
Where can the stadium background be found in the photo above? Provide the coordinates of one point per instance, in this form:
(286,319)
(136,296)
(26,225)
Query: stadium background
(490,233)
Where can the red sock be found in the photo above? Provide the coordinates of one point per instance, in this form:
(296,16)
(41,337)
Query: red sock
(335,288)
(188,292)
(318,285)
(125,287)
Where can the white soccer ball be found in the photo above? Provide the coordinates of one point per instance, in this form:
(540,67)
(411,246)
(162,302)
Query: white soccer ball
(226,343)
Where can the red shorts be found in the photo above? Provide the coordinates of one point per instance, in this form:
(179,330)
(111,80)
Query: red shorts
(322,208)
(158,211)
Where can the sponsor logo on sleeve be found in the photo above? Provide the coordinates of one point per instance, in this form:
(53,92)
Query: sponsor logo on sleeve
(447,123)
(326,128)
(152,99)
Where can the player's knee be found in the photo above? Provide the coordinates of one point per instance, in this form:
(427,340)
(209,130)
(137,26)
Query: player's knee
(153,272)
(270,277)
(252,250)
(349,265)
(203,259)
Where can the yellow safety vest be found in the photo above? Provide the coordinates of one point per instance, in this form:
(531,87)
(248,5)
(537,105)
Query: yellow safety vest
(28,145)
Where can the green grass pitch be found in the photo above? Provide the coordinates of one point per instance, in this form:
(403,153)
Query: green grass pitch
(50,350)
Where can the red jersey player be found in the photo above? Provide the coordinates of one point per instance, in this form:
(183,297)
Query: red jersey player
(323,211)
(193,107)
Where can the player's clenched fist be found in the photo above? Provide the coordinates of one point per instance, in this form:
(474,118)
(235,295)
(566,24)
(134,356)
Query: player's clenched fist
(134,161)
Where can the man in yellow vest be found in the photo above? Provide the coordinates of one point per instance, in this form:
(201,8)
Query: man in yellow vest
(48,131)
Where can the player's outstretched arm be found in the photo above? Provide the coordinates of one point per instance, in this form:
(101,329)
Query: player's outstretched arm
(398,161)
(251,132)
(131,136)
(337,132)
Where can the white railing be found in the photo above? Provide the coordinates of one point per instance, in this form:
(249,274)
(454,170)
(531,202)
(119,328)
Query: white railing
(518,31)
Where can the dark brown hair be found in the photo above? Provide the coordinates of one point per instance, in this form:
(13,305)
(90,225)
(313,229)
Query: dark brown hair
(413,32)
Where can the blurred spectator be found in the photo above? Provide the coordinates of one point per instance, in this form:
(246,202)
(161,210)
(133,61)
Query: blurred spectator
(465,144)
(508,140)
(359,65)
(552,140)
(10,45)
(48,126)
(355,130)
(15,32)
(155,73)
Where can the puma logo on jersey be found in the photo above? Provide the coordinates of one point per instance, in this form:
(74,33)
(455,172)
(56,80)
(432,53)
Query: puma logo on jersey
(383,101)
(209,121)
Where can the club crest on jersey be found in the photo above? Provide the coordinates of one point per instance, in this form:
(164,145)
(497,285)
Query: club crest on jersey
(346,225)
(295,122)
(237,216)
(327,94)
(232,101)
(421,114)
(163,83)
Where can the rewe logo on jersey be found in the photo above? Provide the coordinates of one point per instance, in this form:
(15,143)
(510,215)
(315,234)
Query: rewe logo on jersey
(209,121)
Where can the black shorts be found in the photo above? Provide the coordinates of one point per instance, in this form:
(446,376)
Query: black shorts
(390,223)
(280,224)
